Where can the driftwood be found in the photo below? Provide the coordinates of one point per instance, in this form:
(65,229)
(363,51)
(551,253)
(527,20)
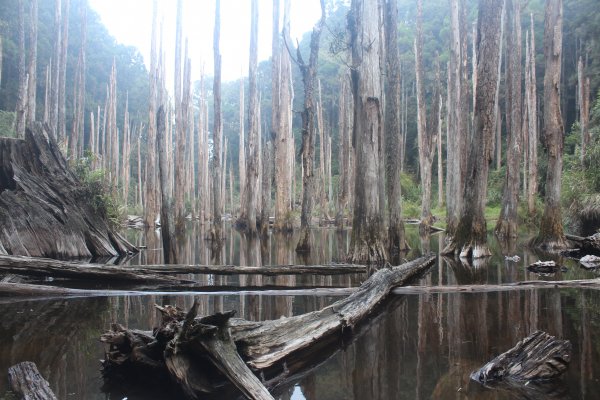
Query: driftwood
(587,245)
(543,267)
(44,209)
(26,381)
(538,357)
(590,262)
(191,350)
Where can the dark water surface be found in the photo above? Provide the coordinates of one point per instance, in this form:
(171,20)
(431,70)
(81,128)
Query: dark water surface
(420,346)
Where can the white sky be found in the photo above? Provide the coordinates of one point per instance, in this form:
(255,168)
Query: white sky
(130,22)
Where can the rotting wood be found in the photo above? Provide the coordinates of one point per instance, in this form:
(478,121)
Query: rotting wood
(537,357)
(587,245)
(27,382)
(543,267)
(272,349)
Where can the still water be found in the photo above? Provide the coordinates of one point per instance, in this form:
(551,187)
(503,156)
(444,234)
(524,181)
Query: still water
(420,346)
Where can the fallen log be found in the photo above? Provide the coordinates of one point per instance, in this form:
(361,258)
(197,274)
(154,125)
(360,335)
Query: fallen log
(37,266)
(538,357)
(26,381)
(46,267)
(44,210)
(587,245)
(271,349)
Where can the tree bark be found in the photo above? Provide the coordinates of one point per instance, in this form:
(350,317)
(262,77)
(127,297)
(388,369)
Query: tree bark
(21,107)
(78,125)
(62,84)
(217,226)
(151,206)
(583,84)
(166,225)
(531,97)
(32,66)
(242,146)
(393,109)
(367,227)
(247,219)
(309,77)
(506,226)
(471,236)
(26,381)
(551,235)
(345,153)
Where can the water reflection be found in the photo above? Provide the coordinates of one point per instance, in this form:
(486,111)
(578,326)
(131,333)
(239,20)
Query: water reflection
(420,346)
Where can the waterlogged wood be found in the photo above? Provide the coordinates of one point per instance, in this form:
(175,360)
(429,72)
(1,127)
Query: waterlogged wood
(537,357)
(26,381)
(274,348)
(587,245)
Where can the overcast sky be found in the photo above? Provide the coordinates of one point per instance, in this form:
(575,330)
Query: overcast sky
(130,22)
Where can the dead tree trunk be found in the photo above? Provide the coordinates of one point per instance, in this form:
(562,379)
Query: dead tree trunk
(345,145)
(583,83)
(32,66)
(506,226)
(217,225)
(62,72)
(367,227)
(242,146)
(531,97)
(78,124)
(166,225)
(471,236)
(396,238)
(247,218)
(309,77)
(180,126)
(272,349)
(26,381)
(21,107)
(151,208)
(551,235)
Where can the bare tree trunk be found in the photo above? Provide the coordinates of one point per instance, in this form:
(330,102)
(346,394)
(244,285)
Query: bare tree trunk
(394,143)
(77,128)
(309,77)
(456,124)
(531,96)
(1,58)
(151,209)
(367,228)
(32,67)
(55,61)
(267,179)
(471,237)
(426,136)
(506,227)
(166,225)
(498,115)
(440,165)
(583,83)
(21,107)
(217,226)
(242,146)
(140,199)
(180,125)
(551,235)
(321,189)
(62,86)
(247,219)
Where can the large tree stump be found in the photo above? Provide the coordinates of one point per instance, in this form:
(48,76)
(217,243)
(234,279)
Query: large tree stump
(27,382)
(538,357)
(199,352)
(44,209)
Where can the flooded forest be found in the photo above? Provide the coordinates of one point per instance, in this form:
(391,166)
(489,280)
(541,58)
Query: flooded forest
(299,199)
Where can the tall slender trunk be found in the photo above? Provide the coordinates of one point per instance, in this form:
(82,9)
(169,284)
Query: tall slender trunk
(1,58)
(21,107)
(363,22)
(583,84)
(166,225)
(62,84)
(53,117)
(242,146)
(125,153)
(151,209)
(531,96)
(77,128)
(345,138)
(217,225)
(247,218)
(180,127)
(309,77)
(551,234)
(506,227)
(393,128)
(471,236)
(32,66)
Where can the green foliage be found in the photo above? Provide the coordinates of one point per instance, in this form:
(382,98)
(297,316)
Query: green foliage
(95,191)
(495,186)
(7,123)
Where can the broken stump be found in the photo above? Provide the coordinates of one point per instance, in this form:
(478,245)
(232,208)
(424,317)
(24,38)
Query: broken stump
(538,357)
(26,381)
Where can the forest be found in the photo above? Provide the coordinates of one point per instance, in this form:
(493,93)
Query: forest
(325,174)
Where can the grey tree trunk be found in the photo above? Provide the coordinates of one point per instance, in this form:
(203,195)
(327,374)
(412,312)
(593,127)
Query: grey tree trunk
(551,235)
(345,150)
(471,236)
(247,219)
(77,128)
(32,66)
(21,107)
(217,228)
(151,208)
(531,97)
(506,227)
(309,77)
(166,225)
(180,126)
(242,145)
(62,85)
(396,237)
(583,84)
(367,228)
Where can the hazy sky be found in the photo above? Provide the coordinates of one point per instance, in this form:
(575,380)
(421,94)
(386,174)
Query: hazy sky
(130,22)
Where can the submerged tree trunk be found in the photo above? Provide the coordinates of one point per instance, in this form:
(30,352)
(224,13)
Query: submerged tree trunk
(396,238)
(367,228)
(309,77)
(506,227)
(247,219)
(166,224)
(551,235)
(471,236)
